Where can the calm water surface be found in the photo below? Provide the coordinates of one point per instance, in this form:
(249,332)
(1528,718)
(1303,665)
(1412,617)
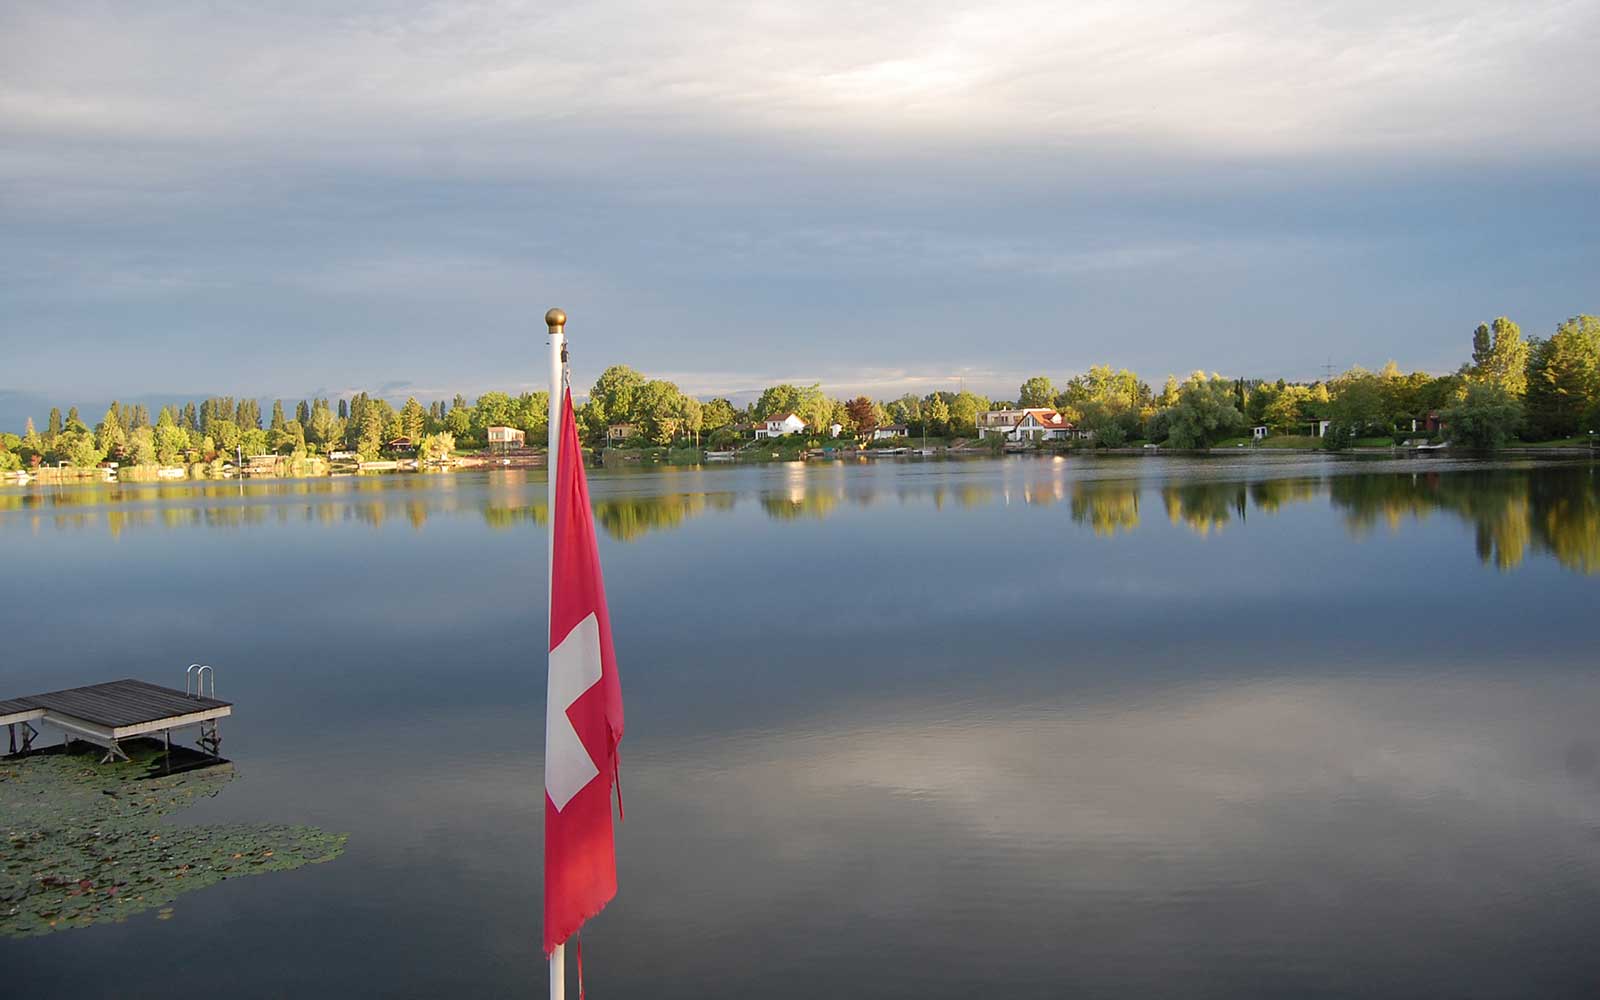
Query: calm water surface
(1021,728)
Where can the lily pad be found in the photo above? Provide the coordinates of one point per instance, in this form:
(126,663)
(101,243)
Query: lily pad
(84,842)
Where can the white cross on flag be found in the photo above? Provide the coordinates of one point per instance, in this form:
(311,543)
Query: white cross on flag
(583,713)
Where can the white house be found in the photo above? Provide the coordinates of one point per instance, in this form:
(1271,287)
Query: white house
(789,423)
(1258,432)
(1031,424)
(502,438)
(835,429)
(889,431)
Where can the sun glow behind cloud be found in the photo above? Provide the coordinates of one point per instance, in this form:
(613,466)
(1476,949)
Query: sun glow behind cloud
(1242,74)
(1174,174)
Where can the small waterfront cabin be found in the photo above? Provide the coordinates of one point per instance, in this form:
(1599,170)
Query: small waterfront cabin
(889,431)
(506,438)
(618,433)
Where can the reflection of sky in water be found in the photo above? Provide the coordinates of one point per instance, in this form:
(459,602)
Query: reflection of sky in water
(894,730)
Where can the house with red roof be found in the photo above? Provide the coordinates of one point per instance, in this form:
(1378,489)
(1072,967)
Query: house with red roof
(1034,423)
(789,423)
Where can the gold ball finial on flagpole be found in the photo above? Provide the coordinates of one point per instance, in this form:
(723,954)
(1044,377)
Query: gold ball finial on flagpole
(556,320)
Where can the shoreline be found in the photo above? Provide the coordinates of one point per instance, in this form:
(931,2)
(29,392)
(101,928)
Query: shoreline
(536,460)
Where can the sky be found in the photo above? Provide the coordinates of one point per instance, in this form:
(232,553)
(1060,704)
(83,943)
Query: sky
(308,199)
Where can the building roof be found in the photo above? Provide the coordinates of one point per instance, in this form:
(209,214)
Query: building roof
(1046,416)
(786,416)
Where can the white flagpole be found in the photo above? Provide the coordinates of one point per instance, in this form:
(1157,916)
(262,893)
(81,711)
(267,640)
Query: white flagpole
(557,321)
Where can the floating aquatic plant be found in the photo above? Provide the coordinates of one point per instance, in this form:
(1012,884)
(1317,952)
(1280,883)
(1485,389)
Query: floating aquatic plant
(85,844)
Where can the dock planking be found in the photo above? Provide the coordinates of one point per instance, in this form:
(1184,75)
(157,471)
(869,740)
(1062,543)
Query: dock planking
(116,710)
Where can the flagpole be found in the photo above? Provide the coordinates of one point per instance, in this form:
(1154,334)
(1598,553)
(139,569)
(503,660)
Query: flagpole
(557,321)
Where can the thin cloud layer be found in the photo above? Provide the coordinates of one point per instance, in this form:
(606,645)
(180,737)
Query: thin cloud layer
(1239,75)
(1252,187)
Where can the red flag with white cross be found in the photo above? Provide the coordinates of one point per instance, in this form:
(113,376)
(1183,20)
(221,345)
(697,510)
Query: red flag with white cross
(583,714)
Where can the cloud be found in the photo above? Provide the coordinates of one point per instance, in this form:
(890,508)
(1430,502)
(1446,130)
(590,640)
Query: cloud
(821,192)
(1230,74)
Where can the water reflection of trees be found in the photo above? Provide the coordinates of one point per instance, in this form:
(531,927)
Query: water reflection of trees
(1553,511)
(628,518)
(1556,511)
(1205,507)
(800,503)
(1107,508)
(621,518)
(1270,495)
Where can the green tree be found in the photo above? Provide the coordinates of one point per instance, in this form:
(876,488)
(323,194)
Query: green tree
(142,446)
(225,434)
(10,461)
(613,399)
(459,420)
(319,429)
(776,401)
(1205,413)
(413,419)
(171,441)
(76,447)
(693,412)
(1357,408)
(493,409)
(277,416)
(964,410)
(111,437)
(253,441)
(815,408)
(290,439)
(369,433)
(436,447)
(1500,356)
(659,412)
(1485,418)
(717,414)
(1102,384)
(531,413)
(1169,394)
(1564,379)
(31,441)
(1037,391)
(936,414)
(907,410)
(1285,413)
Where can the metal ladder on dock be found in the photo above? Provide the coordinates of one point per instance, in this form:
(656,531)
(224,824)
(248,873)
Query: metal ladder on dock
(194,685)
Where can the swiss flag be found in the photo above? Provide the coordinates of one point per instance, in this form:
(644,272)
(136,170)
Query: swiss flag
(583,716)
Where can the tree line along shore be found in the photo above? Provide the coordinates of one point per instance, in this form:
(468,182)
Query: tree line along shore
(1513,388)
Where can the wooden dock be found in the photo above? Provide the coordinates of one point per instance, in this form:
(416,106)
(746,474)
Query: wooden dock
(116,710)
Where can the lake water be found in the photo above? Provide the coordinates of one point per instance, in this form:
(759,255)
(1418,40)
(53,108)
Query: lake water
(1020,727)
